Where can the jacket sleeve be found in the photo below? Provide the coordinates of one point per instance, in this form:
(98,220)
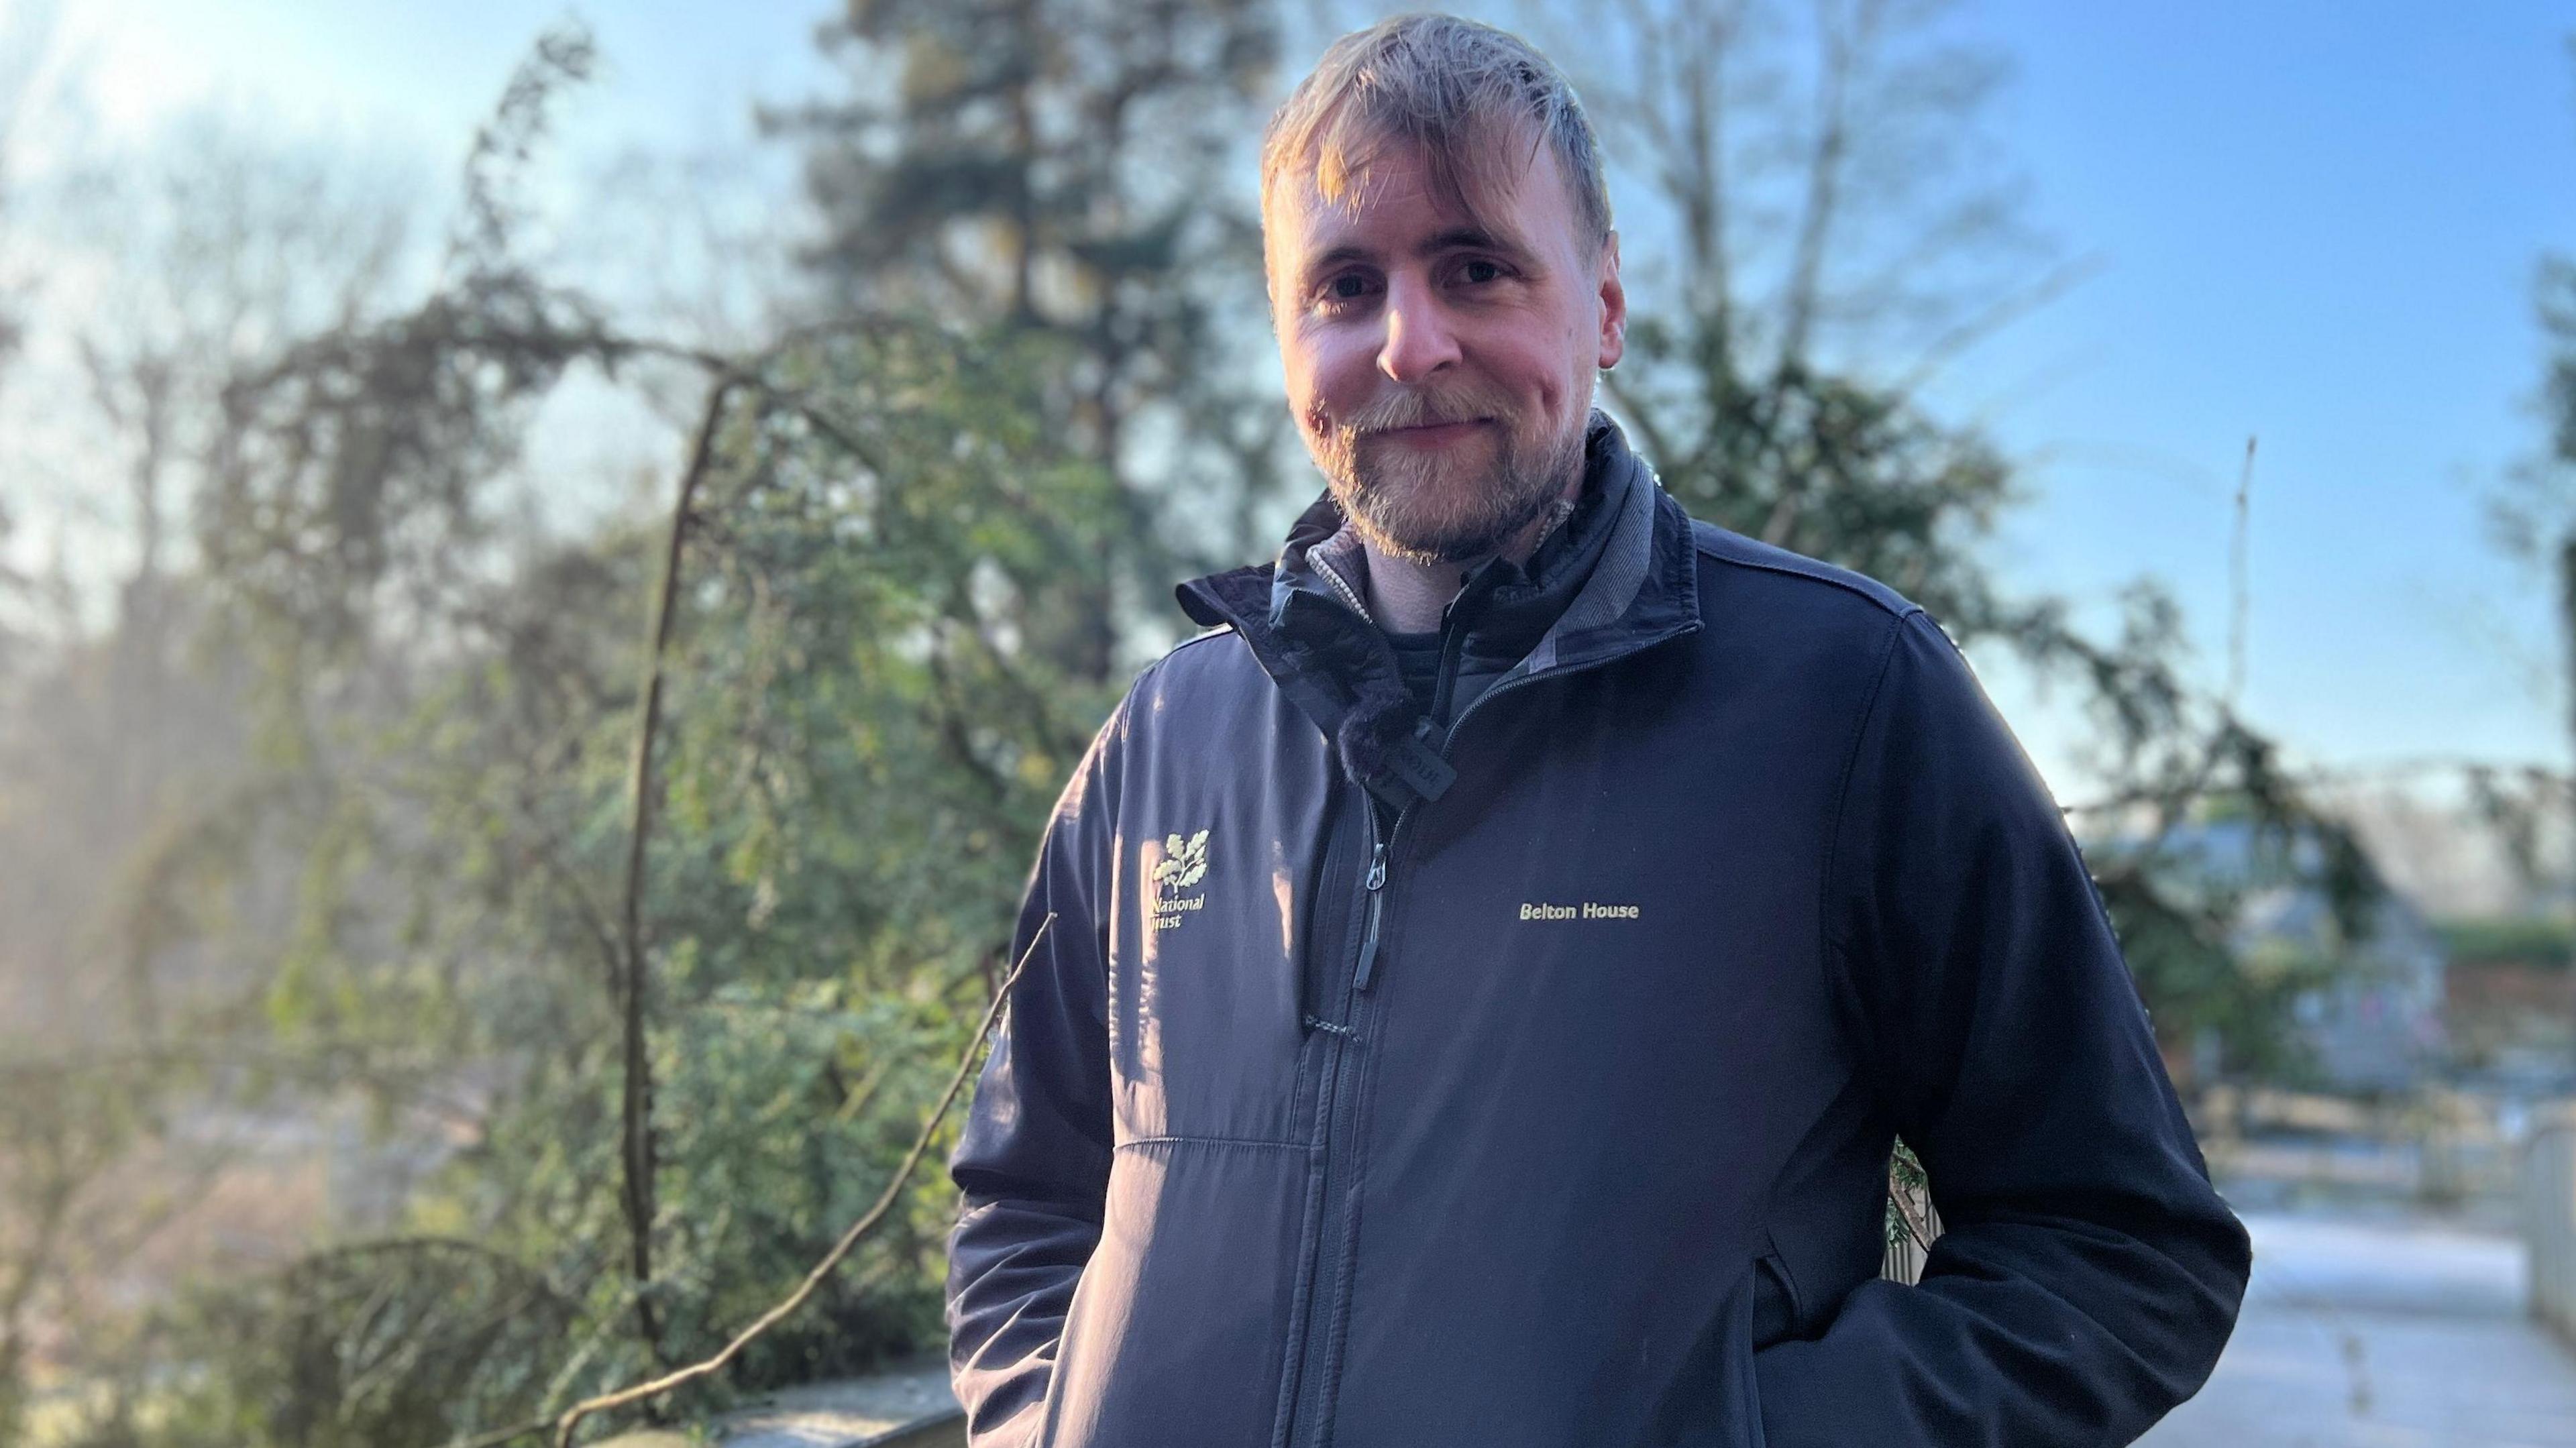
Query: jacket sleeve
(1033,1160)
(2087,1275)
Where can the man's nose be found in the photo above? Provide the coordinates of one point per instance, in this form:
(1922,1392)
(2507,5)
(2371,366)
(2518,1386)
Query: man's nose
(1418,339)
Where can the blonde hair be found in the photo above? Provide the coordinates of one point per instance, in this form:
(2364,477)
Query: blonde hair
(1454,88)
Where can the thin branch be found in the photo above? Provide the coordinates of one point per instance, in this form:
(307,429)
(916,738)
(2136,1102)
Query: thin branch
(189,1194)
(1700,182)
(1846,46)
(636,1105)
(2052,284)
(2240,602)
(2383,771)
(546,850)
(855,1100)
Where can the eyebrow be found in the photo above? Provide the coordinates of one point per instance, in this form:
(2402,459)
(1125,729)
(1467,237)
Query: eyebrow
(1454,238)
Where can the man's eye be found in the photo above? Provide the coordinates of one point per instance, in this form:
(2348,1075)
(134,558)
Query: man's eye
(1345,288)
(1480,271)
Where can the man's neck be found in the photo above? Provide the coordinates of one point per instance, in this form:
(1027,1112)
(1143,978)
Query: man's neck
(1408,597)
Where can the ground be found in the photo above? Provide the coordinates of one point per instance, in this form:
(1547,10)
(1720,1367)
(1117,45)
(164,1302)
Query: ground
(2382,1332)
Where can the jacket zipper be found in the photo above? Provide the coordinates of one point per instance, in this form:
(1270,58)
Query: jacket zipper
(1376,898)
(1306,1401)
(1317,1365)
(1349,597)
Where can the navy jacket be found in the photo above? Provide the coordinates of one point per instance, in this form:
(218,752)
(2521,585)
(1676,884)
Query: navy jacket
(1558,1113)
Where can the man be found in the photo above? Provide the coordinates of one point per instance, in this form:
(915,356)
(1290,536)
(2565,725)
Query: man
(1481,978)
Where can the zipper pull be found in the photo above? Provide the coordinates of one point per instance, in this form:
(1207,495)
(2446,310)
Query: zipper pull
(1376,903)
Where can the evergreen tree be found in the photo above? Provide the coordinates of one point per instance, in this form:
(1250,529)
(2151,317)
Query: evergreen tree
(1074,169)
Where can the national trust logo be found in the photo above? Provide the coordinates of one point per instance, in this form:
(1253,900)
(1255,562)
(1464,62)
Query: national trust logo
(1184,864)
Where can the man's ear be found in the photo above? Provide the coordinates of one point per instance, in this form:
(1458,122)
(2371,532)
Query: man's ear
(1614,306)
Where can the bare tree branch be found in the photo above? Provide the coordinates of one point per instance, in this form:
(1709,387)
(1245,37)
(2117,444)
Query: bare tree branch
(636,1104)
(2056,282)
(1849,46)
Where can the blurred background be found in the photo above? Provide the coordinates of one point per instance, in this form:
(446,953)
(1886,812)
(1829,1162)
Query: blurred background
(551,565)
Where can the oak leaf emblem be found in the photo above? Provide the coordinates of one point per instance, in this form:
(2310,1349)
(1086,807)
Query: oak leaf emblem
(1184,862)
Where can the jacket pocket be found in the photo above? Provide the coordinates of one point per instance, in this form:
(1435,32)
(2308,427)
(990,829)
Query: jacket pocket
(1174,1337)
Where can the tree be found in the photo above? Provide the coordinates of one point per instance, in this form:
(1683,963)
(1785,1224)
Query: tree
(1057,168)
(137,873)
(652,905)
(22,43)
(2532,519)
(23,33)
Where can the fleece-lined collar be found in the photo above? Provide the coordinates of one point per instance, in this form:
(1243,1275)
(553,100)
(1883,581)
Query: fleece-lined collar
(1617,577)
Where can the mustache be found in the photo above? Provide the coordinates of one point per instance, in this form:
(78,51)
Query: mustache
(1426,407)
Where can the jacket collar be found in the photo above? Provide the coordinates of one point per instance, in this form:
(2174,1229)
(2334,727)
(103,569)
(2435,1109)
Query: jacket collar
(1618,577)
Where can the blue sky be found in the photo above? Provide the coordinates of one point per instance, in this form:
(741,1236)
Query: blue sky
(2320,222)
(2317,222)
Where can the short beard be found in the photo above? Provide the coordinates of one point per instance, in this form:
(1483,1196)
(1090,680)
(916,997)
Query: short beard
(1395,498)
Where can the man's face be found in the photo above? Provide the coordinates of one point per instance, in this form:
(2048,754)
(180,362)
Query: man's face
(1441,372)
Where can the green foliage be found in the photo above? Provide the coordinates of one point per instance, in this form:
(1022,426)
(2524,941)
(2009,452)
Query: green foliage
(1908,1191)
(867,712)
(2174,915)
(397,1344)
(858,754)
(2549,944)
(1823,465)
(1072,170)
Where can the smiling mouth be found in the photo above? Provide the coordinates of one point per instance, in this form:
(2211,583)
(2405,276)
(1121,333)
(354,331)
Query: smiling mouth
(1433,432)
